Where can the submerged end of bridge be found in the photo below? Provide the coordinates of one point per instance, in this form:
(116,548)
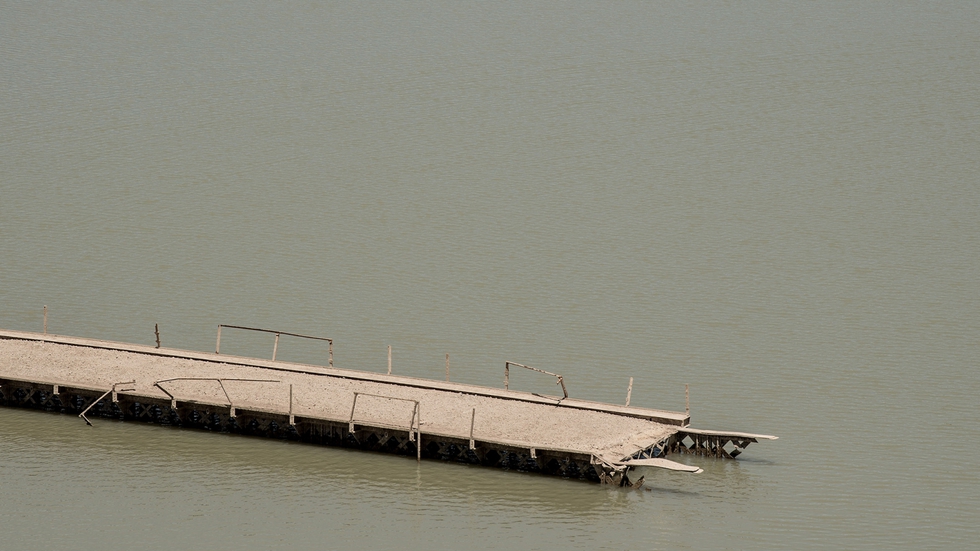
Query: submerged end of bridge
(120,389)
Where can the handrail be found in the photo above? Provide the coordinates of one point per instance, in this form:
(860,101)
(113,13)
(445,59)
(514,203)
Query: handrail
(99,399)
(275,347)
(412,426)
(561,380)
(173,399)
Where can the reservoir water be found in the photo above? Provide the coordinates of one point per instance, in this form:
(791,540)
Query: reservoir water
(777,204)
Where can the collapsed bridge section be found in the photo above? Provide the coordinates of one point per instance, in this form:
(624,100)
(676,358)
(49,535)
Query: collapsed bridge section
(355,409)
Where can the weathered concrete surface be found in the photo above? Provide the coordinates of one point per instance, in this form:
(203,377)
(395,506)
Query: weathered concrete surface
(508,417)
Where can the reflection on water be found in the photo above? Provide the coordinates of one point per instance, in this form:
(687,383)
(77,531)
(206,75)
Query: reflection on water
(190,459)
(115,470)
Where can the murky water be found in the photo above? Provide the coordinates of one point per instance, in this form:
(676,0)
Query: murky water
(777,204)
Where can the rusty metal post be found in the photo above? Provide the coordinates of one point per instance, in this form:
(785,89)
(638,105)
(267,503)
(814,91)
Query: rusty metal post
(156,329)
(506,375)
(629,392)
(330,360)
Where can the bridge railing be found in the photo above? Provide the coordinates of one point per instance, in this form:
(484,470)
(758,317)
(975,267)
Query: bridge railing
(275,346)
(561,380)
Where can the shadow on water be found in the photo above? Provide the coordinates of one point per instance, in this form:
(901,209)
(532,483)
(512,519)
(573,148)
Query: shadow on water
(227,463)
(200,481)
(758,461)
(187,458)
(671,492)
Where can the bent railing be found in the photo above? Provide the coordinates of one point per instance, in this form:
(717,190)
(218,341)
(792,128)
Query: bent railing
(221,380)
(112,391)
(415,425)
(275,346)
(561,380)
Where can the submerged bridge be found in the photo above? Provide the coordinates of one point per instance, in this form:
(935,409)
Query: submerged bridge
(325,405)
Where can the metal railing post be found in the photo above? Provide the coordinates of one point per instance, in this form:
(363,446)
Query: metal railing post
(414,425)
(219,380)
(472,422)
(350,427)
(561,380)
(418,432)
(275,346)
(99,399)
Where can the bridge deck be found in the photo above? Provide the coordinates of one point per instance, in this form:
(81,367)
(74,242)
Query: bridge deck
(327,405)
(501,416)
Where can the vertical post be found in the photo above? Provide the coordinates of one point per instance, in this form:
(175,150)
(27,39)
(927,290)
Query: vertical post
(292,420)
(506,375)
(330,360)
(354,405)
(275,347)
(447,367)
(389,359)
(418,433)
(411,424)
(156,329)
(45,319)
(472,421)
(687,399)
(629,392)
(217,345)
